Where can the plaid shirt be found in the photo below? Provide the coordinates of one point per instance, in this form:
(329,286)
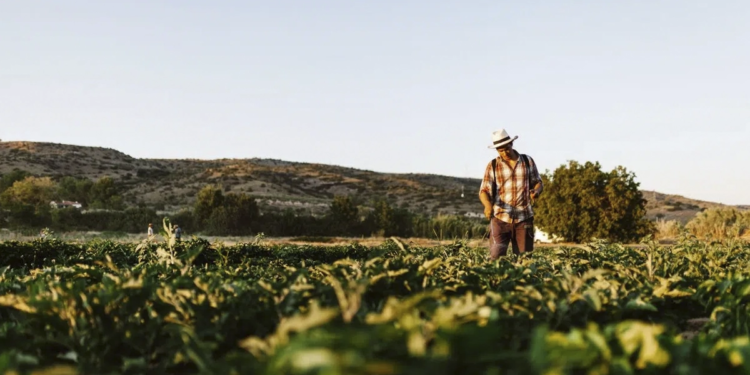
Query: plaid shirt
(512,201)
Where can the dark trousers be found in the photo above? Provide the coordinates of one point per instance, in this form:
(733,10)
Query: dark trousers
(502,234)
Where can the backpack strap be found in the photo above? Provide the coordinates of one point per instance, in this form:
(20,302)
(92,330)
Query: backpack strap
(494,180)
(527,167)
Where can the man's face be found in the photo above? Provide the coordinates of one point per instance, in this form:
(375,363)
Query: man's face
(505,151)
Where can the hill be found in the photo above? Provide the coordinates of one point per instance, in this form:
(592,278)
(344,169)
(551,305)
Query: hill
(170,184)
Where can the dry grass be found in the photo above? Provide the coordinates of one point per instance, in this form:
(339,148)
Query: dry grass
(667,230)
(81,237)
(721,223)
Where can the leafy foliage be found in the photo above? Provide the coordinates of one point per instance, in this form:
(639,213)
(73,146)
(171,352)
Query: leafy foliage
(8,179)
(221,214)
(582,202)
(389,221)
(33,191)
(104,194)
(27,201)
(720,223)
(196,307)
(78,190)
(344,214)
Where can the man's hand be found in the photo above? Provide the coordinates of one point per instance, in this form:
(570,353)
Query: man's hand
(487,203)
(488,212)
(534,194)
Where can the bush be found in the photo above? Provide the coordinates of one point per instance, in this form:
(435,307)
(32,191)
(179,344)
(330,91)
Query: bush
(581,202)
(344,215)
(67,219)
(220,214)
(185,219)
(720,223)
(449,227)
(317,239)
(667,229)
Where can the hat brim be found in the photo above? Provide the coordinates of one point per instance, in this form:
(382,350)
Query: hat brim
(503,144)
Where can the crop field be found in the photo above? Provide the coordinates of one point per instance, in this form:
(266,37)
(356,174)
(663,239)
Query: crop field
(194,307)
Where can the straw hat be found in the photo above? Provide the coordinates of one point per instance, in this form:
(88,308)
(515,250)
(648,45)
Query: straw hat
(501,138)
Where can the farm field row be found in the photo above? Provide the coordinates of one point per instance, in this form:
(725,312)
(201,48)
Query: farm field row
(106,307)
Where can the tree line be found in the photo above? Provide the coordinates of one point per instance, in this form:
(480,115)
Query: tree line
(25,204)
(216,213)
(580,202)
(25,199)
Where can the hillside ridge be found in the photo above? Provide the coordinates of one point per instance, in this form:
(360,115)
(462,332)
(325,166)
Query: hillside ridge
(306,188)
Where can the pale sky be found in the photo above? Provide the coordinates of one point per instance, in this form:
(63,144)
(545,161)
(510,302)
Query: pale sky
(659,87)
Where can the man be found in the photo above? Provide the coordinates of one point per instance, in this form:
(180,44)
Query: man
(150,231)
(177,233)
(507,192)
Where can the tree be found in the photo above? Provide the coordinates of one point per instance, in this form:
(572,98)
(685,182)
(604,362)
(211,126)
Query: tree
(28,201)
(185,219)
(242,213)
(104,195)
(218,222)
(344,215)
(66,218)
(402,223)
(209,199)
(75,189)
(380,219)
(136,219)
(225,214)
(388,221)
(34,191)
(581,202)
(9,179)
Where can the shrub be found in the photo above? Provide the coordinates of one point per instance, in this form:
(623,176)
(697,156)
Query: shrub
(581,202)
(720,223)
(667,229)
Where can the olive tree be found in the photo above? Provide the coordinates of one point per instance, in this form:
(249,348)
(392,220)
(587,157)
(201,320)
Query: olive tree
(581,202)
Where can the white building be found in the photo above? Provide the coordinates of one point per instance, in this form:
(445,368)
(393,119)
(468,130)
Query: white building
(474,214)
(65,204)
(543,237)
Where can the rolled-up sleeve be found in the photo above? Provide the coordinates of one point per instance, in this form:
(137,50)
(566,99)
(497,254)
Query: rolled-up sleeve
(535,177)
(486,186)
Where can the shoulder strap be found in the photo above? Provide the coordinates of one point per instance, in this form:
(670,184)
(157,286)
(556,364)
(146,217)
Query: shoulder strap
(527,167)
(494,180)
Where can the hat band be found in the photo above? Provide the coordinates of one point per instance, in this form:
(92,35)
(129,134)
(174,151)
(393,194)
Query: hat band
(501,141)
